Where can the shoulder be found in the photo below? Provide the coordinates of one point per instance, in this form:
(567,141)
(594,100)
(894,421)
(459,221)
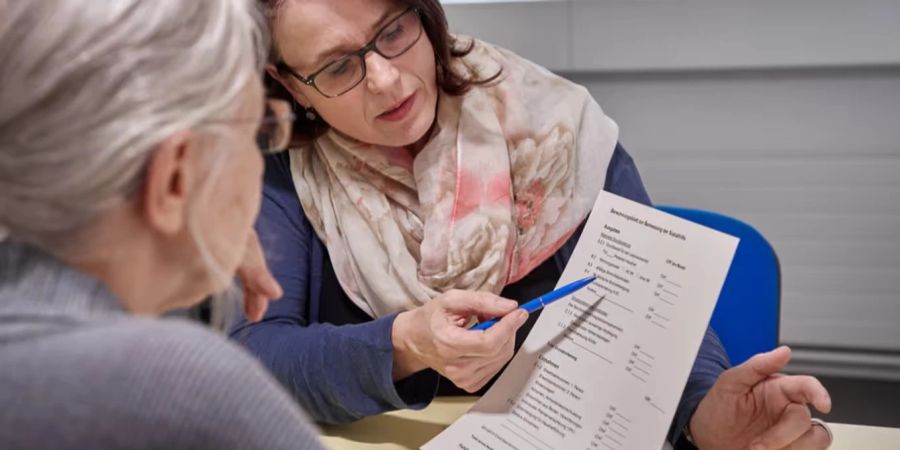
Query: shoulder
(623,178)
(178,351)
(224,393)
(170,382)
(164,355)
(278,182)
(281,215)
(278,170)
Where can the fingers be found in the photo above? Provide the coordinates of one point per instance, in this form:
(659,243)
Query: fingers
(262,282)
(480,376)
(254,271)
(471,303)
(507,326)
(255,306)
(485,376)
(469,358)
(805,389)
(756,369)
(483,343)
(815,438)
(259,285)
(794,422)
(452,334)
(258,291)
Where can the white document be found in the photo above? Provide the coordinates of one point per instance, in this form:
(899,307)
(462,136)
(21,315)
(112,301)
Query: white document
(605,367)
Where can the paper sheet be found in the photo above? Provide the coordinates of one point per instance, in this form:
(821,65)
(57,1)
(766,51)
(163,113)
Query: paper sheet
(605,367)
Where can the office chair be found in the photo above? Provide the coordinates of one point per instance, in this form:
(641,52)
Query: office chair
(747,314)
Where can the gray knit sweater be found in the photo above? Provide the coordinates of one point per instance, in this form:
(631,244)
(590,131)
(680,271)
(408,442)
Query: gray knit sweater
(77,371)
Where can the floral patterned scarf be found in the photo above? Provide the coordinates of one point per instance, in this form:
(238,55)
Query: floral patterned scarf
(511,170)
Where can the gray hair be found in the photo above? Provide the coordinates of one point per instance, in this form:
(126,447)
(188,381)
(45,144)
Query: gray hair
(88,88)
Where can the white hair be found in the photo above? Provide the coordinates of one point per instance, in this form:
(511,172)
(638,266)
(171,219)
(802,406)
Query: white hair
(88,88)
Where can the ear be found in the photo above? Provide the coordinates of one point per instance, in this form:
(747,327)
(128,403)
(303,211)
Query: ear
(167,185)
(290,84)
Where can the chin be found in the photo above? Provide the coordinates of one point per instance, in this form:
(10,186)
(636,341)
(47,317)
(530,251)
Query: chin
(415,135)
(419,128)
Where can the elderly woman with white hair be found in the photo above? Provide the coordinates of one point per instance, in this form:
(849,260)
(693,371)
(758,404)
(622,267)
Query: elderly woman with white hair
(129,182)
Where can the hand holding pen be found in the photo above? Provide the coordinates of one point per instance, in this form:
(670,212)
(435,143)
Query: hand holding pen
(544,300)
(435,335)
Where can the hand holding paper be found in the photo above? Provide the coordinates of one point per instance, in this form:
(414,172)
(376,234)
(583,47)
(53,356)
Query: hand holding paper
(771,408)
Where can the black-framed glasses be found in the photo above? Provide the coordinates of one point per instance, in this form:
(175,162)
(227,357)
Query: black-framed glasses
(340,76)
(276,126)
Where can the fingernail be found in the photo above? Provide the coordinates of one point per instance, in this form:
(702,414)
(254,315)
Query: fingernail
(508,303)
(523,315)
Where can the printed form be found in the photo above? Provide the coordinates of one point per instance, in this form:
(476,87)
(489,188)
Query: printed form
(605,368)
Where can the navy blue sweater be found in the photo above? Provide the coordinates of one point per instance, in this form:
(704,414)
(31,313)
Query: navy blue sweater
(336,361)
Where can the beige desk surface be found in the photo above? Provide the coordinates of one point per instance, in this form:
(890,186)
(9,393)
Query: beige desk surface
(410,429)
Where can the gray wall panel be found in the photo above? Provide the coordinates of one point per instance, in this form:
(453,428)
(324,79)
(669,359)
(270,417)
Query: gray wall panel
(538,29)
(810,157)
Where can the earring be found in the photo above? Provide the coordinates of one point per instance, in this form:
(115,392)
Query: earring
(310,114)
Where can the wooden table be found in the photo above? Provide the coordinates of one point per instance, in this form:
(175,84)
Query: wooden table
(402,430)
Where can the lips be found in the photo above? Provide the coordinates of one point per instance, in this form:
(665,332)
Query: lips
(399,111)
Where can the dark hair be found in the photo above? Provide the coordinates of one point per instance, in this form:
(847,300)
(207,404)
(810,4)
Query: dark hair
(446,47)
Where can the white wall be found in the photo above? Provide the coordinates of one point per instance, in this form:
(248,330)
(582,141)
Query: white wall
(783,113)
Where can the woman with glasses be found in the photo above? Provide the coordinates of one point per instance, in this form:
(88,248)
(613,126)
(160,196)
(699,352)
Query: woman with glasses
(431,173)
(129,182)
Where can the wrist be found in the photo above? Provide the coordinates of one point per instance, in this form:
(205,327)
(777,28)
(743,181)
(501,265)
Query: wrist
(406,360)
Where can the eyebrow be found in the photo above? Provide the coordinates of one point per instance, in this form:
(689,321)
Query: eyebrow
(324,56)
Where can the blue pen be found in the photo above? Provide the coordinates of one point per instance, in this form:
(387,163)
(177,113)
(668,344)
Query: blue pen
(544,300)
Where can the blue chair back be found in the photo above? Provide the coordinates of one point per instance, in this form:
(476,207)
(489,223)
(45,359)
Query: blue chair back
(747,315)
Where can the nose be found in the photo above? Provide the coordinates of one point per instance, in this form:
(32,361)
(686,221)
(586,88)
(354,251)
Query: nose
(381,74)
